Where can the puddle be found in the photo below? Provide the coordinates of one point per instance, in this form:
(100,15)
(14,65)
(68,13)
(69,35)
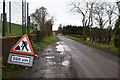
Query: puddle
(45,70)
(62,43)
(65,63)
(67,48)
(48,50)
(51,63)
(58,42)
(48,60)
(60,48)
(50,57)
(62,52)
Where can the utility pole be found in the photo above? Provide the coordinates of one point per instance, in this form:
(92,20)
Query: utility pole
(28,19)
(9,17)
(3,31)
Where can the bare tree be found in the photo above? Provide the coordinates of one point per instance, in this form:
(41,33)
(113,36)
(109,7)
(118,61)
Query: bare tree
(99,16)
(85,11)
(87,14)
(110,9)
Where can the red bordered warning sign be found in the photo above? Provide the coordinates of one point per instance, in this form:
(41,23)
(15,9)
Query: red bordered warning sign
(23,46)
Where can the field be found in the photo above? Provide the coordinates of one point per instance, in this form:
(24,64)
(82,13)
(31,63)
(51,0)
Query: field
(16,29)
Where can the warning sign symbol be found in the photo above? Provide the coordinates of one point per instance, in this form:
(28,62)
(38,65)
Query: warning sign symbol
(23,46)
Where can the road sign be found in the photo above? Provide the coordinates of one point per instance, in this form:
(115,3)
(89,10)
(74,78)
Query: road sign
(20,59)
(23,46)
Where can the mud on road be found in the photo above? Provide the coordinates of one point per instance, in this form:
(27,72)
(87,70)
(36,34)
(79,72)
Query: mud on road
(53,61)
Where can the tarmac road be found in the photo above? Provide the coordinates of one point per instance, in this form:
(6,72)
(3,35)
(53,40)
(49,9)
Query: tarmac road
(70,59)
(91,62)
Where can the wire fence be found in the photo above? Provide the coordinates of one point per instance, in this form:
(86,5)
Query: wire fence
(15,19)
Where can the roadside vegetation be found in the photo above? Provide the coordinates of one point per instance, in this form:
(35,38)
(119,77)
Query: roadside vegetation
(107,47)
(46,41)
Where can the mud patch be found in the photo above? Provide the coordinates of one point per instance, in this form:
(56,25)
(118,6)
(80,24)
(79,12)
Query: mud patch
(53,62)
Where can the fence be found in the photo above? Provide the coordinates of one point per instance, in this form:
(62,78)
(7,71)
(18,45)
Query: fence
(15,17)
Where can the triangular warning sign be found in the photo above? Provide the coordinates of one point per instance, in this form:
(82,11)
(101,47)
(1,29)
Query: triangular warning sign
(23,46)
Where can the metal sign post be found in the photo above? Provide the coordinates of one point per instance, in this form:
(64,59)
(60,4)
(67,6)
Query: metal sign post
(23,16)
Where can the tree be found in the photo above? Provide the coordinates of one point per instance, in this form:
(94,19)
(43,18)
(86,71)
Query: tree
(110,9)
(40,17)
(86,12)
(60,29)
(100,18)
(117,28)
(48,27)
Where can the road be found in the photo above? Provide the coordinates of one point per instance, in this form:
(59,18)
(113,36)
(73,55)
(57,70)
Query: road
(70,59)
(91,62)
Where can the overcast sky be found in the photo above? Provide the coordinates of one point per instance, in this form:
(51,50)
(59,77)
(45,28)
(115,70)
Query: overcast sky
(59,9)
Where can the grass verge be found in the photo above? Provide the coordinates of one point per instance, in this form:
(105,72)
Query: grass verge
(10,70)
(46,41)
(108,48)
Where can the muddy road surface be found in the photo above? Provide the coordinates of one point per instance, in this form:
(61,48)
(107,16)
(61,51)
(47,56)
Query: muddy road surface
(70,59)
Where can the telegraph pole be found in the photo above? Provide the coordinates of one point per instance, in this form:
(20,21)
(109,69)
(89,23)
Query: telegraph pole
(9,17)
(28,18)
(3,31)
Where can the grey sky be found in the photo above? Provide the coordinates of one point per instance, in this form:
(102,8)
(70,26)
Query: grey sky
(58,8)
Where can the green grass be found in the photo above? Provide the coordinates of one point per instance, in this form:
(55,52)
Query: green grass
(0,34)
(109,48)
(10,70)
(15,29)
(46,41)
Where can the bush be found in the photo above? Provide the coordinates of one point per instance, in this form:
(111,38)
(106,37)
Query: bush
(85,37)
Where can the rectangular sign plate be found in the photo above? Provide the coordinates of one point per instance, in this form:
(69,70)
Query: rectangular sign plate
(20,59)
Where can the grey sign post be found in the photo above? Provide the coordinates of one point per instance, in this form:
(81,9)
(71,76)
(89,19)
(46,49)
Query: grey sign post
(23,16)
(19,59)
